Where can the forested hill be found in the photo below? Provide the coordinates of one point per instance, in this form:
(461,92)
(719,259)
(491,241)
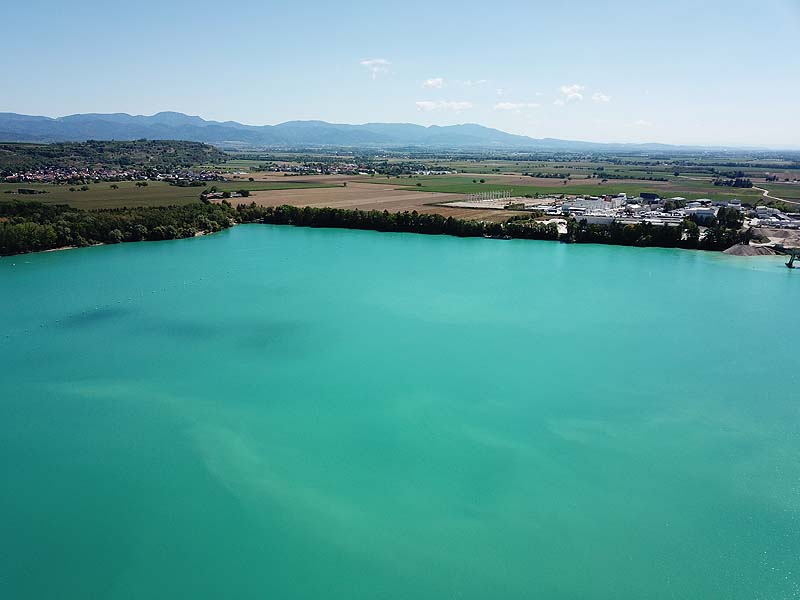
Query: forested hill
(159,154)
(292,134)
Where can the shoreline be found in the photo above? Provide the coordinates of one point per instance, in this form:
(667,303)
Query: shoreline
(728,252)
(38,226)
(488,237)
(58,249)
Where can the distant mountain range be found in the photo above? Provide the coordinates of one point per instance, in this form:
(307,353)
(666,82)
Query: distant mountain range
(231,135)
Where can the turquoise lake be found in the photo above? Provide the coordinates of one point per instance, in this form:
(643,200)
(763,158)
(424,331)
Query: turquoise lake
(277,412)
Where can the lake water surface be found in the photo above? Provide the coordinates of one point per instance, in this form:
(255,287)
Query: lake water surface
(274,412)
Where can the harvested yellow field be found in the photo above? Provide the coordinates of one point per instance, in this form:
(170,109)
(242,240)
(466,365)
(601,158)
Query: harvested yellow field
(367,196)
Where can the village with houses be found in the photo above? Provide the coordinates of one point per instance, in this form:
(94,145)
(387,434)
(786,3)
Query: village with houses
(78,175)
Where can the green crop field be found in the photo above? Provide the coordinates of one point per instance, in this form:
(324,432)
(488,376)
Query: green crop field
(128,194)
(487,167)
(677,187)
(258,186)
(101,195)
(430,180)
(787,191)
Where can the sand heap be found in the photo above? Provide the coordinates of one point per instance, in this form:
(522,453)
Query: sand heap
(747,250)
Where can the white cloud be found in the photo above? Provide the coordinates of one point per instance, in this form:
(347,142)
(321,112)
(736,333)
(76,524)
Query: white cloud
(433,82)
(559,102)
(501,92)
(376,66)
(601,97)
(515,106)
(429,105)
(642,123)
(572,93)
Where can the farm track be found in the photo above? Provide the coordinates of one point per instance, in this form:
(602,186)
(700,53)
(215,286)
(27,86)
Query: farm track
(764,191)
(767,194)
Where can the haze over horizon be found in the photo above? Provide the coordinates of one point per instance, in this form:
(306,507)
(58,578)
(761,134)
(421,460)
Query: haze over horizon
(298,125)
(622,72)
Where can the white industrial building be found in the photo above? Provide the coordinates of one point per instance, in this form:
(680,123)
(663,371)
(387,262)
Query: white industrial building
(702,213)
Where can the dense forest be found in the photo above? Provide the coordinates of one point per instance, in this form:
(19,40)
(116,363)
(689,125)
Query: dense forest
(686,235)
(739,182)
(408,222)
(157,154)
(721,234)
(33,226)
(29,226)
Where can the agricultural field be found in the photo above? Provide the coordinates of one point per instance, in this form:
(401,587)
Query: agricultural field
(232,165)
(394,186)
(787,191)
(255,186)
(522,186)
(128,194)
(102,195)
(365,196)
(290,179)
(686,175)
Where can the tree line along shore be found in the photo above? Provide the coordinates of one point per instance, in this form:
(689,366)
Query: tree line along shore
(31,226)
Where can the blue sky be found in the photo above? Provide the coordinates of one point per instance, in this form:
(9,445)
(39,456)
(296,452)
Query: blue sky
(711,72)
